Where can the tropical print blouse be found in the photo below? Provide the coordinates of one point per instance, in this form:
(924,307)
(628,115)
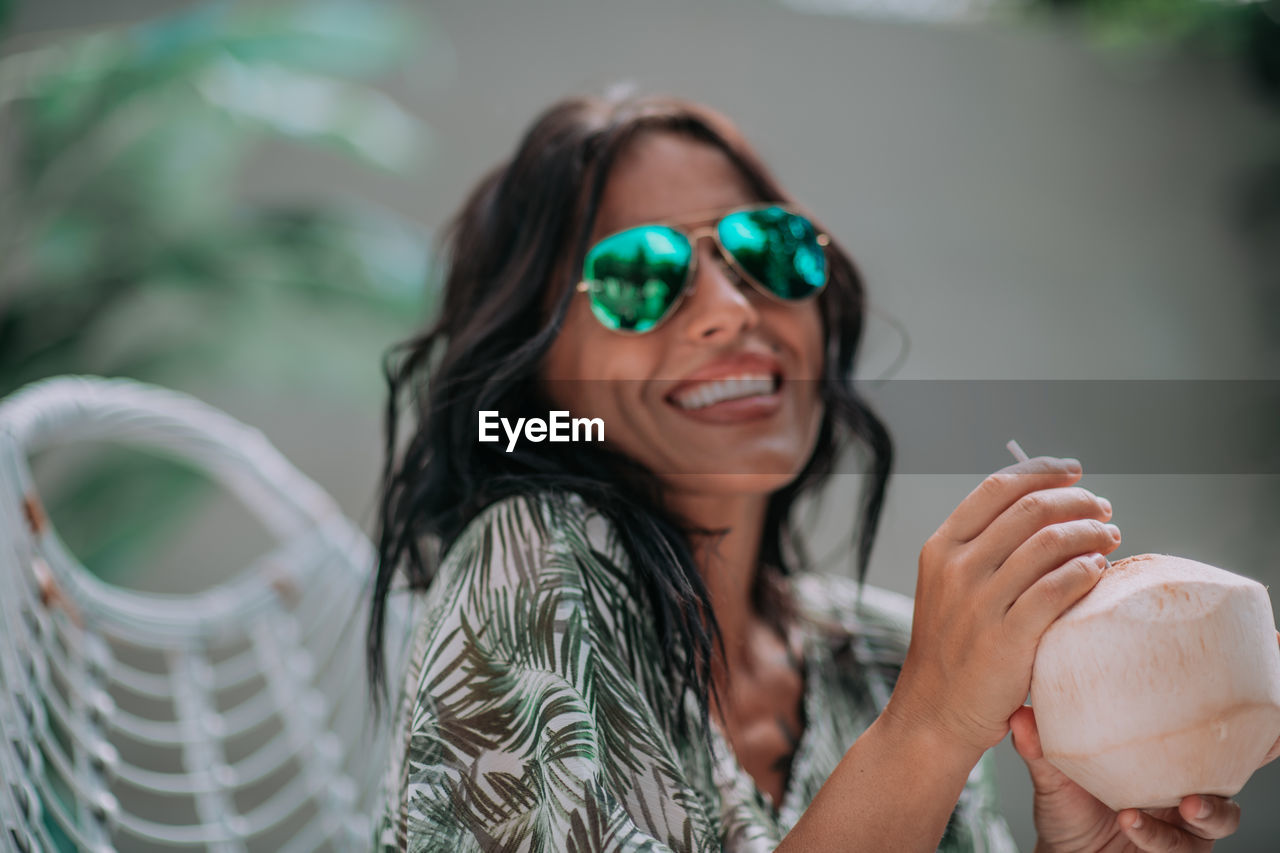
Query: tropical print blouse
(535,715)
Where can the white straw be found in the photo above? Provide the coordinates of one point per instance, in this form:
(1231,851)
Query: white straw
(1017,451)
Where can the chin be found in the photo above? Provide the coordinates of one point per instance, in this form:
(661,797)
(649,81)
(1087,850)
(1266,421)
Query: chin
(728,484)
(736,464)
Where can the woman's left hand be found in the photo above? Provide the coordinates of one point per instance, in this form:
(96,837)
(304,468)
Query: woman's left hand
(1071,820)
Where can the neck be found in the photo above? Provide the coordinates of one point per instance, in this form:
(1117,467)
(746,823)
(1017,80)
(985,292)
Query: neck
(728,565)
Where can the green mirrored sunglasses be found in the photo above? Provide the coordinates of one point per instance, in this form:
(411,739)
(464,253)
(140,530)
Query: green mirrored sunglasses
(636,278)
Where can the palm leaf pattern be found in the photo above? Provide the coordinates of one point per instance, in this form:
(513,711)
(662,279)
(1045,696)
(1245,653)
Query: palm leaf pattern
(536,716)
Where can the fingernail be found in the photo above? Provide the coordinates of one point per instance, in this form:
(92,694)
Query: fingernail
(1204,809)
(1137,822)
(1100,560)
(1106,505)
(1074,466)
(1114,531)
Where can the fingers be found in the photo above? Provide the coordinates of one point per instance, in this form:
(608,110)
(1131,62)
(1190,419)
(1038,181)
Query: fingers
(1149,834)
(1210,817)
(1047,598)
(998,492)
(1026,734)
(1204,819)
(1035,512)
(1048,549)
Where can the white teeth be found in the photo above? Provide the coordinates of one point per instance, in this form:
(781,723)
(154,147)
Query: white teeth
(729,388)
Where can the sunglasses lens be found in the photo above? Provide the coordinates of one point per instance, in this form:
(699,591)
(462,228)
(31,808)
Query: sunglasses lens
(778,248)
(636,276)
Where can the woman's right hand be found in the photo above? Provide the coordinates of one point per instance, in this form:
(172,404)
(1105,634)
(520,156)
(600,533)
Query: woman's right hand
(1014,555)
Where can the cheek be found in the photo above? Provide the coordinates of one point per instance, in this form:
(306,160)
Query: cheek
(799,329)
(575,354)
(814,341)
(592,371)
(805,334)
(815,359)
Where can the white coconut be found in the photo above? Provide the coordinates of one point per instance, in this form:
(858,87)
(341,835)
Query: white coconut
(1163,681)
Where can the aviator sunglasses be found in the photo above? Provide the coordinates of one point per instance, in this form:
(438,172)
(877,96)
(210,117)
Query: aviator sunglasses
(636,278)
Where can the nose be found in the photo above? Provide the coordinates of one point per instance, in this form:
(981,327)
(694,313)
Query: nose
(718,307)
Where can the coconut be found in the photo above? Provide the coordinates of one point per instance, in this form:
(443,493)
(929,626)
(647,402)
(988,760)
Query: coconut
(1163,681)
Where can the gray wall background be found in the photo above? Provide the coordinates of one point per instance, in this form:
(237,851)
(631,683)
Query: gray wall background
(1026,206)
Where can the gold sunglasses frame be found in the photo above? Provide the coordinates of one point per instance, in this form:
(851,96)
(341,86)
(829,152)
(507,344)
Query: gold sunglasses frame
(695,236)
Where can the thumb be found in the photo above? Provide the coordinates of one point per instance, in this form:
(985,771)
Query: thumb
(1026,740)
(1026,735)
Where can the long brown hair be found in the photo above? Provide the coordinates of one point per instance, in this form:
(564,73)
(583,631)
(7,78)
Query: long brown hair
(512,251)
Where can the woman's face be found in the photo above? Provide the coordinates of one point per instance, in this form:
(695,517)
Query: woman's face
(656,392)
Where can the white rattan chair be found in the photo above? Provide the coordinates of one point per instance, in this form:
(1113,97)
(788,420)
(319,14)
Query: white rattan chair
(231,720)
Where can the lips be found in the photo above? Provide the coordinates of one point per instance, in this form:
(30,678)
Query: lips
(710,393)
(744,386)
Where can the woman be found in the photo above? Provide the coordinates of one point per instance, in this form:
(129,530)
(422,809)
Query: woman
(618,650)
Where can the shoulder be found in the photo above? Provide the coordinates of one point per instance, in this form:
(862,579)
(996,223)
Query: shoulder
(532,523)
(535,581)
(541,541)
(550,562)
(521,718)
(522,551)
(517,524)
(549,546)
(481,604)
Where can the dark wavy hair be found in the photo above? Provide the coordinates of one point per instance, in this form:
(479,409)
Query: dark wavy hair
(513,251)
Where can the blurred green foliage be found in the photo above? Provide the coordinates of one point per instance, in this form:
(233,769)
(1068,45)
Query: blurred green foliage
(1247,31)
(130,247)
(126,247)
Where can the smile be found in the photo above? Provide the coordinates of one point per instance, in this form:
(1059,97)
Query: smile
(723,390)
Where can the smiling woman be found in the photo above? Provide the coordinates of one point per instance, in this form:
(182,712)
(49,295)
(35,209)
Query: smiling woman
(620,646)
(676,397)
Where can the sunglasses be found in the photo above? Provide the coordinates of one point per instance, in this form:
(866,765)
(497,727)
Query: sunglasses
(636,278)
